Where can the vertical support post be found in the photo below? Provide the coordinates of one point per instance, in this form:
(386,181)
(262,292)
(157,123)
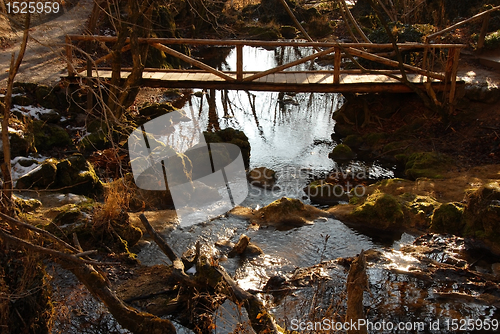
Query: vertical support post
(337,61)
(449,64)
(90,100)
(69,57)
(239,62)
(484,30)
(454,70)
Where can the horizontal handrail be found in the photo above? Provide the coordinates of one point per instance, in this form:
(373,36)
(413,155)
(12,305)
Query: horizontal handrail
(235,42)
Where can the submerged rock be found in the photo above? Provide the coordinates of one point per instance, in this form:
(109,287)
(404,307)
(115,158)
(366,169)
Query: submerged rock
(262,177)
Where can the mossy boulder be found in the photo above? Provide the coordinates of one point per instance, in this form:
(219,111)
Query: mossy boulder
(96,138)
(46,97)
(342,152)
(232,136)
(76,175)
(47,136)
(418,210)
(427,164)
(20,145)
(448,218)
(42,177)
(153,110)
(482,213)
(287,212)
(380,211)
(262,177)
(354,141)
(26,204)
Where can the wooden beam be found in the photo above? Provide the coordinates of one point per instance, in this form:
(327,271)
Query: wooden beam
(484,30)
(194,41)
(393,63)
(192,61)
(456,25)
(293,63)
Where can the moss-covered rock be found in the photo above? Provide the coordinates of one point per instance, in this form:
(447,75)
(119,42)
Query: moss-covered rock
(42,177)
(76,175)
(418,210)
(482,213)
(26,204)
(448,218)
(354,141)
(427,164)
(380,211)
(342,152)
(287,212)
(48,136)
(232,136)
(46,97)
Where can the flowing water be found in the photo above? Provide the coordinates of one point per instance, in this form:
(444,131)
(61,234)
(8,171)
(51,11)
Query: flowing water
(291,134)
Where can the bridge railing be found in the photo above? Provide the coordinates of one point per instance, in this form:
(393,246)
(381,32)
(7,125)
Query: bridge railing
(446,70)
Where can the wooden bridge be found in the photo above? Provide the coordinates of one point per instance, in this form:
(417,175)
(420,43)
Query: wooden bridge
(444,57)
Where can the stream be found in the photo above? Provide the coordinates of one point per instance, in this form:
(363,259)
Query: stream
(291,134)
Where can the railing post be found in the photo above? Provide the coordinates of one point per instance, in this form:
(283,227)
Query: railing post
(337,61)
(239,62)
(454,70)
(69,57)
(484,30)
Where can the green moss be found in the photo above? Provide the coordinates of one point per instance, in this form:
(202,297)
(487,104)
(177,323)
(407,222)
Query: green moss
(482,214)
(427,164)
(381,211)
(353,140)
(342,152)
(448,218)
(48,136)
(374,138)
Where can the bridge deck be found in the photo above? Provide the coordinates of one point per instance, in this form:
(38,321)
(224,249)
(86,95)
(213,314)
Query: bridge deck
(320,81)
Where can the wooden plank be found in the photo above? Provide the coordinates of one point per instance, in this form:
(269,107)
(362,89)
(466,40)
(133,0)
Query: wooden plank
(190,60)
(301,78)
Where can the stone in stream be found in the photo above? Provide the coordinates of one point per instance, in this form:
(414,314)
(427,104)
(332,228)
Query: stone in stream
(262,177)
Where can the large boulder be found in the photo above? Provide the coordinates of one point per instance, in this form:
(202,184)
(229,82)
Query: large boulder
(482,213)
(42,177)
(232,136)
(76,175)
(73,174)
(380,211)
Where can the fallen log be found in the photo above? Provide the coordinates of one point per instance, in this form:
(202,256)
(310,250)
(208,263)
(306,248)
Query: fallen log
(357,283)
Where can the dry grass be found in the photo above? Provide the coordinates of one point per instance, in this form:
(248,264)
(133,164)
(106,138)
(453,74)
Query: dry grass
(116,200)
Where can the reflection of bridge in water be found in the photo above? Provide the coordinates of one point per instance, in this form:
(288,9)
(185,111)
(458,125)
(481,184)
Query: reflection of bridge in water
(443,57)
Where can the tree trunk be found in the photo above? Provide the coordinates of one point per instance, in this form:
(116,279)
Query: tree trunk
(6,165)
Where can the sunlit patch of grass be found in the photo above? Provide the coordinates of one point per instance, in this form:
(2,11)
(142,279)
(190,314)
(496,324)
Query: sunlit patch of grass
(492,40)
